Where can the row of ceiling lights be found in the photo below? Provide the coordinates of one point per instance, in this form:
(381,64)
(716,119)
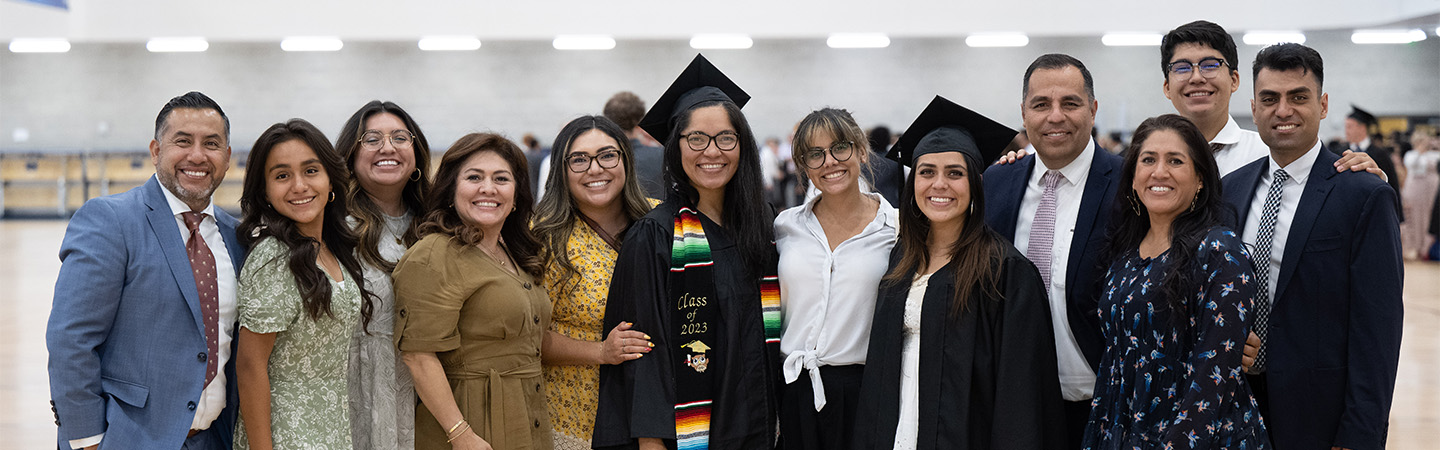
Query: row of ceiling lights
(723,41)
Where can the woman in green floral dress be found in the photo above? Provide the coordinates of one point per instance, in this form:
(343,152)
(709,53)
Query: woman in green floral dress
(301,294)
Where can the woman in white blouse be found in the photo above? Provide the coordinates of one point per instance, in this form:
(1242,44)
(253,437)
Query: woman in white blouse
(834,249)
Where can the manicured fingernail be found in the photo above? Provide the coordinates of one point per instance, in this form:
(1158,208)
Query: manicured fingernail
(647,337)
(652,344)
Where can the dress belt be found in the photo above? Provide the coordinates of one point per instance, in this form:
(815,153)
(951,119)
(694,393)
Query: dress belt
(497,410)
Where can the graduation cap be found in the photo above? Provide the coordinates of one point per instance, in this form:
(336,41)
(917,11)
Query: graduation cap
(947,127)
(1362,116)
(700,82)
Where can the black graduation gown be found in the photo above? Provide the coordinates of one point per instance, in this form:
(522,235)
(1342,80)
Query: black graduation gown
(988,378)
(637,398)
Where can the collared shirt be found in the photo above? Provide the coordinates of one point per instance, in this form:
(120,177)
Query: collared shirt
(828,296)
(1290,192)
(1239,147)
(212,398)
(1077,379)
(1359,147)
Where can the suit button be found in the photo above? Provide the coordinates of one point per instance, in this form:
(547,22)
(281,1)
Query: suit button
(537,423)
(200,356)
(190,406)
(537,319)
(537,387)
(527,285)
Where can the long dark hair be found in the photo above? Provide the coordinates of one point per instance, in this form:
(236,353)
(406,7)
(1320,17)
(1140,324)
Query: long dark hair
(262,220)
(976,254)
(369,219)
(745,208)
(441,217)
(1132,221)
(556,215)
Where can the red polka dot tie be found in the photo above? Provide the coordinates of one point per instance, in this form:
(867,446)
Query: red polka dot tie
(202,262)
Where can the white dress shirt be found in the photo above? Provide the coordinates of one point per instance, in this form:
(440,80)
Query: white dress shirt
(1077,379)
(212,398)
(1239,147)
(1290,192)
(828,297)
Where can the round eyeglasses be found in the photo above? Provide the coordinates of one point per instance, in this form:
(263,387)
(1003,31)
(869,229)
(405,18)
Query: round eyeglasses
(841,151)
(373,140)
(699,141)
(1184,69)
(580,162)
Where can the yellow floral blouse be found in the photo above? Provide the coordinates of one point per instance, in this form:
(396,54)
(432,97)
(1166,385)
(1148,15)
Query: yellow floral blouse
(579,312)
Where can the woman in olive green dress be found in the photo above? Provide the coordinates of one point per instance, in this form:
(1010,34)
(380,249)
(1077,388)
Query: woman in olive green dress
(471,313)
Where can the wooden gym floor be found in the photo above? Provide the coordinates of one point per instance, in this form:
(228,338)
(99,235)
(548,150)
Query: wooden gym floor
(29,263)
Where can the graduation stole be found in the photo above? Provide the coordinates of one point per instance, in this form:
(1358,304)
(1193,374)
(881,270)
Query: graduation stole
(692,291)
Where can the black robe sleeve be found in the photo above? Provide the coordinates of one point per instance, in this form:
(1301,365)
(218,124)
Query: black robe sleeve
(637,397)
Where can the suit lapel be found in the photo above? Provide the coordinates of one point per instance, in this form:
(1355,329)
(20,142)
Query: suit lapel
(1247,178)
(167,233)
(1317,188)
(1097,186)
(232,243)
(1009,192)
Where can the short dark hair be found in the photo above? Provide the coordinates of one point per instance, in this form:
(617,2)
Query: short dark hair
(1058,61)
(192,100)
(625,109)
(1290,56)
(1201,32)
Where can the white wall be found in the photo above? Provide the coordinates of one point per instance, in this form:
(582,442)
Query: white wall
(105,96)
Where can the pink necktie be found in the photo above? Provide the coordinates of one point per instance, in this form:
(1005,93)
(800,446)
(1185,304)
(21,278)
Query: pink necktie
(202,262)
(1042,231)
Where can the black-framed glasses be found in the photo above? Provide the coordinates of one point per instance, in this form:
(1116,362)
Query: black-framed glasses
(373,140)
(1184,69)
(841,151)
(580,162)
(725,141)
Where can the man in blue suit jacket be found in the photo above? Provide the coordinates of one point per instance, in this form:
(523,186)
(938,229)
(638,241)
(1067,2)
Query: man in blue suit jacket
(1059,112)
(1326,376)
(129,353)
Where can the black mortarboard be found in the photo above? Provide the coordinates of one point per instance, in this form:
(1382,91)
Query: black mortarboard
(1362,116)
(947,127)
(700,82)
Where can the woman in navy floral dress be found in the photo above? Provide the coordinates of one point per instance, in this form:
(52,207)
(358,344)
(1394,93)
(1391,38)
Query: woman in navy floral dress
(1176,307)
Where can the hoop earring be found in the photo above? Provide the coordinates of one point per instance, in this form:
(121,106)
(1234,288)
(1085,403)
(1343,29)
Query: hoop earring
(332,197)
(416,176)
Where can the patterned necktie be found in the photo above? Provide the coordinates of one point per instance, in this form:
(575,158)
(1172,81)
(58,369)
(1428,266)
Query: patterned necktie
(1042,231)
(202,262)
(1264,238)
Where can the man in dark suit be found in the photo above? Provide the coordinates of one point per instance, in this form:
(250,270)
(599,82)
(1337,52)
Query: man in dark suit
(1326,249)
(626,109)
(141,331)
(1056,212)
(1357,140)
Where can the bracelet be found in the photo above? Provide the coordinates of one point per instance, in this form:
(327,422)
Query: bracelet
(457,435)
(456,427)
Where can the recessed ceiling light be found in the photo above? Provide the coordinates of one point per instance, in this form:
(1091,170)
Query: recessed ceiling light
(583,42)
(997,40)
(858,40)
(177,44)
(449,43)
(1387,36)
(311,44)
(39,45)
(1273,37)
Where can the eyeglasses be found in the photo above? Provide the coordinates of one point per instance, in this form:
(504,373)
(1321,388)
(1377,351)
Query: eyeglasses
(1184,69)
(725,141)
(841,151)
(373,140)
(580,162)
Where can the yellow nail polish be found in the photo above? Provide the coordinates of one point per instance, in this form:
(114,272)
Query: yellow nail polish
(647,337)
(652,344)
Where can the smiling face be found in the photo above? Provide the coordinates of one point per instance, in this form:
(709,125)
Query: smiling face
(942,188)
(1058,114)
(297,186)
(388,167)
(1165,176)
(485,192)
(709,169)
(597,188)
(1288,108)
(191,155)
(834,177)
(1195,96)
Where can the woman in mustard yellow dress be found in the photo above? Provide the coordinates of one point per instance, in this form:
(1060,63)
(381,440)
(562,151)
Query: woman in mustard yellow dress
(471,315)
(592,196)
